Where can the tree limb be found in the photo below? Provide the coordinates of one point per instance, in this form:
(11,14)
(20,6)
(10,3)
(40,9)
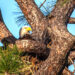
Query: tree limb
(71,20)
(66,72)
(62,40)
(31,46)
(72,54)
(25,45)
(4,33)
(35,18)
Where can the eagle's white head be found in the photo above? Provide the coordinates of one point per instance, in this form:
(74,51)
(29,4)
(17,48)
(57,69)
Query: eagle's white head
(25,30)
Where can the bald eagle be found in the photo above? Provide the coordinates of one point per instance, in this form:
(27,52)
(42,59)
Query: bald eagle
(25,30)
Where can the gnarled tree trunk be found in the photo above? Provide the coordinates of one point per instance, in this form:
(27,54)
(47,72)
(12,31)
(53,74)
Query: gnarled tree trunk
(62,40)
(54,26)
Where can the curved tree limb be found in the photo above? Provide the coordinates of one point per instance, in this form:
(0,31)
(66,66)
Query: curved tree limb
(31,46)
(4,33)
(35,18)
(66,72)
(25,45)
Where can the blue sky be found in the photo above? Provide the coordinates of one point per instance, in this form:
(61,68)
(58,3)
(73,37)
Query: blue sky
(47,6)
(10,13)
(71,67)
(71,27)
(14,18)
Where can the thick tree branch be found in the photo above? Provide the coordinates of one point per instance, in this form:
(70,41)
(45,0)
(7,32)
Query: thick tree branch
(66,72)
(25,45)
(4,33)
(31,46)
(35,18)
(62,40)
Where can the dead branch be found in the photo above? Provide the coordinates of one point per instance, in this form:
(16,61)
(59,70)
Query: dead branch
(42,4)
(25,45)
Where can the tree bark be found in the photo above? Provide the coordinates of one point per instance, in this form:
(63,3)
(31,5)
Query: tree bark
(25,45)
(4,33)
(35,18)
(31,46)
(67,72)
(62,40)
(72,20)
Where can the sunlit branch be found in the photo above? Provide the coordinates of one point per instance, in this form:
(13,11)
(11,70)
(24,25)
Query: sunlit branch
(71,20)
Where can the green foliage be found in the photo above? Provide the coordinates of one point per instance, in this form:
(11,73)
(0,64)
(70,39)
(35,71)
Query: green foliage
(10,60)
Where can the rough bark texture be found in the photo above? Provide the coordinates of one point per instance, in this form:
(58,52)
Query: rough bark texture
(32,46)
(35,18)
(72,54)
(4,33)
(62,40)
(67,72)
(25,45)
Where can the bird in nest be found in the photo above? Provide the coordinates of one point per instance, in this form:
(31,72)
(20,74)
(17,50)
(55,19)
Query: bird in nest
(25,31)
